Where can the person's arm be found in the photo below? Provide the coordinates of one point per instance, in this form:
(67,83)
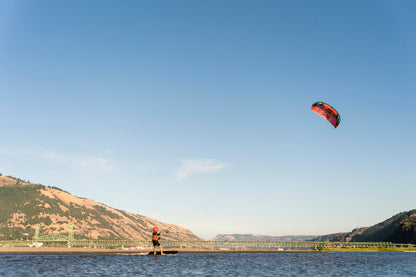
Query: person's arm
(167,231)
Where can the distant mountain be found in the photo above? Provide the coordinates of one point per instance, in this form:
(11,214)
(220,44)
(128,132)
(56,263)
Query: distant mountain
(400,228)
(250,237)
(23,205)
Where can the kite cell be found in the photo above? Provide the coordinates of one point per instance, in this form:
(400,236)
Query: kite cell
(327,112)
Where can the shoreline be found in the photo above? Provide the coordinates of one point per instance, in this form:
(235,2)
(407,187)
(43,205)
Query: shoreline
(64,250)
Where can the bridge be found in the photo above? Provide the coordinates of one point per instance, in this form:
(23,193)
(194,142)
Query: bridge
(206,245)
(237,245)
(69,241)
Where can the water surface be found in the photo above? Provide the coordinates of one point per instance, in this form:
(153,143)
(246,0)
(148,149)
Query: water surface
(212,264)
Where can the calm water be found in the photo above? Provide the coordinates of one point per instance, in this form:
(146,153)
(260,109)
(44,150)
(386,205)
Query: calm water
(212,264)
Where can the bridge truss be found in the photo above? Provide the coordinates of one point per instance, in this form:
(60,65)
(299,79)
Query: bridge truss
(206,245)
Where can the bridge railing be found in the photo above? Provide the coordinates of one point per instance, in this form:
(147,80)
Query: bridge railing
(14,243)
(208,245)
(236,245)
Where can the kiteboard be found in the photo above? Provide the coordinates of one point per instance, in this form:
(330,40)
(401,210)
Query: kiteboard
(164,252)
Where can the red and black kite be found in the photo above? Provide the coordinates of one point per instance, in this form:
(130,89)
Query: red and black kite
(327,112)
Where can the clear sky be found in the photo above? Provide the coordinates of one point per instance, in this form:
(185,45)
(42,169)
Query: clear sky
(197,113)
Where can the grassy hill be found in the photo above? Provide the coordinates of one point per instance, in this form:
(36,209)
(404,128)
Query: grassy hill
(400,228)
(23,205)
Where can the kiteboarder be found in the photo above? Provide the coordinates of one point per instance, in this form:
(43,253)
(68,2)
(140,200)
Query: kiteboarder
(155,240)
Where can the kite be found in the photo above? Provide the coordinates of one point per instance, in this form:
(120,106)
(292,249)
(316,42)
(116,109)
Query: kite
(327,112)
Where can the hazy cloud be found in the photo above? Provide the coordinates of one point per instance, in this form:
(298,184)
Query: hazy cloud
(192,167)
(77,162)
(80,162)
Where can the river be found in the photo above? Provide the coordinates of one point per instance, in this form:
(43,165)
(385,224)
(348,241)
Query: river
(212,264)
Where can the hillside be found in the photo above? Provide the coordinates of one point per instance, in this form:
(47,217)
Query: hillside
(251,237)
(23,205)
(400,228)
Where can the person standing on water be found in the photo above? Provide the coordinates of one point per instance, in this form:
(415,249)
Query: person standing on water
(155,240)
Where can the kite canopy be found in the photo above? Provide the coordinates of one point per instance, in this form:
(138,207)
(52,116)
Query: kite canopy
(327,112)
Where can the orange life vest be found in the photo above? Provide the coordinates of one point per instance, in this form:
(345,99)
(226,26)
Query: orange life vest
(155,236)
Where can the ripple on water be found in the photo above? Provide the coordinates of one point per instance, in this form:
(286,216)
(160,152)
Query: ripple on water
(212,264)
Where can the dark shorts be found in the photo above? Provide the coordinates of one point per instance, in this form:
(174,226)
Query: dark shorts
(156,243)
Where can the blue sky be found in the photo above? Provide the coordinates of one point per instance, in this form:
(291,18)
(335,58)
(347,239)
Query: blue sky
(197,113)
